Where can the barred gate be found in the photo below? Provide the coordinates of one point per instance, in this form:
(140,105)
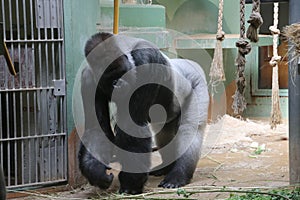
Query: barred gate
(33,139)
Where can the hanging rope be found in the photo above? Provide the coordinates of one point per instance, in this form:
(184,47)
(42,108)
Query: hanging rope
(216,73)
(239,101)
(275,112)
(255,22)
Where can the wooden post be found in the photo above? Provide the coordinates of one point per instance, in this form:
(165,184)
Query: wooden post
(294,105)
(116,16)
(75,178)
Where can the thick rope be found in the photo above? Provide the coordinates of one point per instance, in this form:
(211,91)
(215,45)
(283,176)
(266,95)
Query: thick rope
(239,101)
(275,112)
(255,21)
(216,73)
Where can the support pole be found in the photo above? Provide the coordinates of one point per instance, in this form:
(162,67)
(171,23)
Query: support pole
(294,104)
(116,16)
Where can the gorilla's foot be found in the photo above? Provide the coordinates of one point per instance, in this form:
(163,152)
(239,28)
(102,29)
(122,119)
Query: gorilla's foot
(174,181)
(129,191)
(132,183)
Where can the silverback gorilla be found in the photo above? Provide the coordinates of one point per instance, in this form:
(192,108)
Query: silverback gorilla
(154,96)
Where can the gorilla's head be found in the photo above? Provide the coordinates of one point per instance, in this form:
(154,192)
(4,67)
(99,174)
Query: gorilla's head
(94,41)
(108,62)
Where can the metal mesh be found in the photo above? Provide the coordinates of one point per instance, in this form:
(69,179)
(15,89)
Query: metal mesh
(33,141)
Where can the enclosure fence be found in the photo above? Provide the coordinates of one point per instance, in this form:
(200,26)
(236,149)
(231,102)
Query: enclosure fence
(33,139)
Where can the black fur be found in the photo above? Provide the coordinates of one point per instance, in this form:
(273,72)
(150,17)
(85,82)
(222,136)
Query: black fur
(180,110)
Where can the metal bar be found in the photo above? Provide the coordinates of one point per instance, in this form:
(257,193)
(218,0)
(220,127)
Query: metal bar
(39,161)
(52,45)
(31,19)
(62,100)
(4,20)
(60,19)
(34,41)
(49,159)
(47,62)
(46,46)
(29,160)
(42,162)
(32,45)
(40,183)
(294,105)
(9,157)
(48,137)
(35,140)
(10,21)
(40,56)
(60,36)
(15,135)
(55,159)
(21,122)
(27,89)
(37,155)
(62,159)
(8,143)
(2,103)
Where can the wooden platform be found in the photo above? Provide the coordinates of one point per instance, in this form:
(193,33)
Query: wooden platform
(208,41)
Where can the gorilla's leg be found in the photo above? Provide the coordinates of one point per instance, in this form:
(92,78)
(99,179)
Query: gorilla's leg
(188,139)
(183,168)
(162,138)
(2,186)
(134,156)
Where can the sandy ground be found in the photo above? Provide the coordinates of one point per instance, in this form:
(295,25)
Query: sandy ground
(231,162)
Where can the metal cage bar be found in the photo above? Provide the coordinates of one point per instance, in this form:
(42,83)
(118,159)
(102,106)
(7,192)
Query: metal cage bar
(33,138)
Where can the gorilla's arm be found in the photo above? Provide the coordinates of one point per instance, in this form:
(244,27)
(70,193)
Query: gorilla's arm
(96,144)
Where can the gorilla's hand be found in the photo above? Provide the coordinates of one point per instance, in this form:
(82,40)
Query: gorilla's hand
(93,169)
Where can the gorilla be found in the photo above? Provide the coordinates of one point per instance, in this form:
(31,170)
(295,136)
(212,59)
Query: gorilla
(2,186)
(159,102)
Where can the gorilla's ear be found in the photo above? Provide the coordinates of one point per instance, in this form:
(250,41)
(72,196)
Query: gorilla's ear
(94,41)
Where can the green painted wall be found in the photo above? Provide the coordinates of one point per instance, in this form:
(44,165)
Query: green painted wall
(134,16)
(80,19)
(194,17)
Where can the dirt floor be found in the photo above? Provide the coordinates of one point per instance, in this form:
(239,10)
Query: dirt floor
(244,154)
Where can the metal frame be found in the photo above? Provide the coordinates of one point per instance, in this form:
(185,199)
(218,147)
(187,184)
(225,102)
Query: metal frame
(33,126)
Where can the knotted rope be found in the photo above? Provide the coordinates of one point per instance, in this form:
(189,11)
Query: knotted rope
(275,111)
(216,73)
(239,101)
(255,22)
